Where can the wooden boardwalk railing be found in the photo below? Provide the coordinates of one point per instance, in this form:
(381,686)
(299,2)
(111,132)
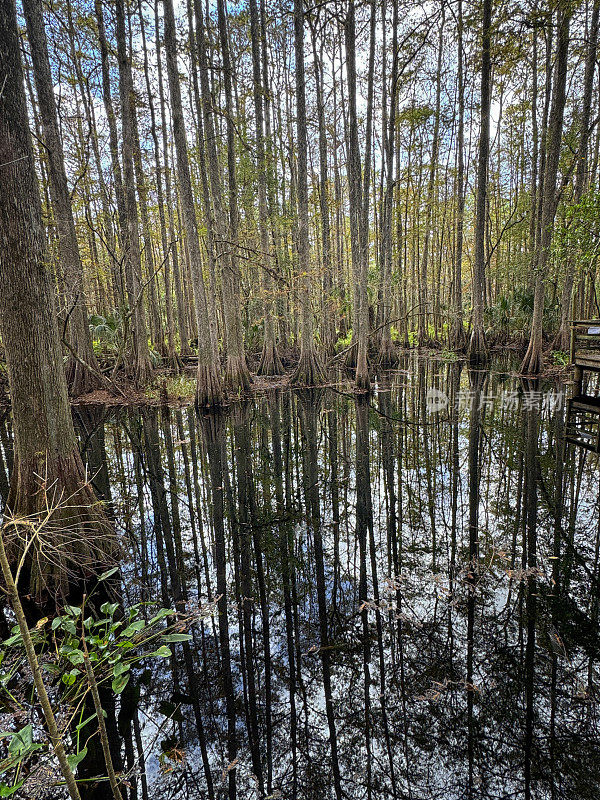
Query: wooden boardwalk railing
(585,349)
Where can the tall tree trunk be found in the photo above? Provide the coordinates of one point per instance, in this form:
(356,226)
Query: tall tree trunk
(113,141)
(182,323)
(48,471)
(209,390)
(358,236)
(533,357)
(309,370)
(237,375)
(477,344)
(107,303)
(387,353)
(581,178)
(423,330)
(328,322)
(457,328)
(270,163)
(82,367)
(210,223)
(270,363)
(140,362)
(166,246)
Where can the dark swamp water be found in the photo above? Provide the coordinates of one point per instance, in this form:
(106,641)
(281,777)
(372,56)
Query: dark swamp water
(409,591)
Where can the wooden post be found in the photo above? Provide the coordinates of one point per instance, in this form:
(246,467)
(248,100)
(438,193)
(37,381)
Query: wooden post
(578,380)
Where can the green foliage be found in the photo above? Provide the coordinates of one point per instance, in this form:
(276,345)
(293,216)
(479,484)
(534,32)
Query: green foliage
(178,387)
(344,341)
(107,333)
(512,313)
(560,358)
(20,748)
(448,355)
(414,116)
(113,643)
(577,237)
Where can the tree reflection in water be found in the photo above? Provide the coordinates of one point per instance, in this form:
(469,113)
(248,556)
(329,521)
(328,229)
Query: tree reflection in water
(406,602)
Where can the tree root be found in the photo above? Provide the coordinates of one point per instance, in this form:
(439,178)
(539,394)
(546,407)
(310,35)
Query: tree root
(477,351)
(209,390)
(237,375)
(309,371)
(270,363)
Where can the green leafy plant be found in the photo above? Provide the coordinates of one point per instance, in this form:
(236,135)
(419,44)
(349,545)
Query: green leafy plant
(20,748)
(560,358)
(78,651)
(344,341)
(178,387)
(448,355)
(107,333)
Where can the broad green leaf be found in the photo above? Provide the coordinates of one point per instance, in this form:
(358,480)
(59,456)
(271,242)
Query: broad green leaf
(21,740)
(163,652)
(120,668)
(109,608)
(76,657)
(69,678)
(176,637)
(120,683)
(164,612)
(133,628)
(69,625)
(7,791)
(75,758)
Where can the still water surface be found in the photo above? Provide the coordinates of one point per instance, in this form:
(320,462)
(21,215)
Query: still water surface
(407,598)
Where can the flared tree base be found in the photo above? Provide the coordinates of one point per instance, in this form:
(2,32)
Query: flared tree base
(310,371)
(54,517)
(80,378)
(237,375)
(209,390)
(362,381)
(477,352)
(270,363)
(457,340)
(174,361)
(141,371)
(562,340)
(351,355)
(532,362)
(388,357)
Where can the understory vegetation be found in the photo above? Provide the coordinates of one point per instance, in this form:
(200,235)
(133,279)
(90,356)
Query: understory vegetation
(250,186)
(208,202)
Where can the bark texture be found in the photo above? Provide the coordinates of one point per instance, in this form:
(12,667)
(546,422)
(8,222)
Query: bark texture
(477,343)
(82,367)
(48,472)
(309,371)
